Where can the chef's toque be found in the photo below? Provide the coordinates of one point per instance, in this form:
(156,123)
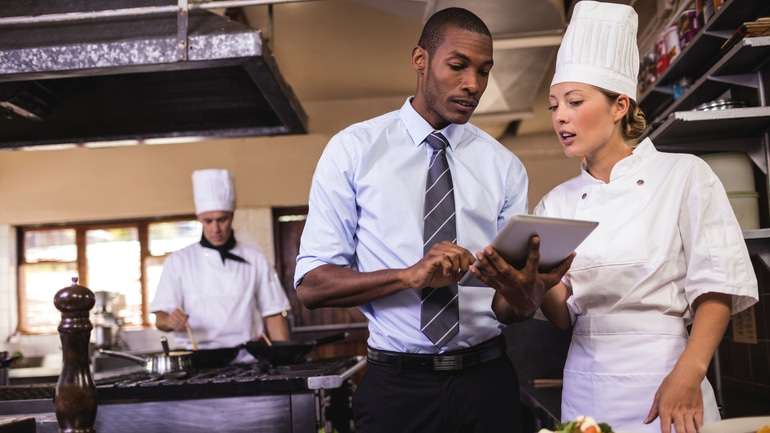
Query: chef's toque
(213,190)
(599,48)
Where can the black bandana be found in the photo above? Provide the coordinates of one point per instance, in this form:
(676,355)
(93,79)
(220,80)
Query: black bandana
(224,249)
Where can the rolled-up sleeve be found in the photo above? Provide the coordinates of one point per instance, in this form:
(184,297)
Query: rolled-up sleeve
(516,187)
(271,298)
(329,233)
(168,295)
(715,251)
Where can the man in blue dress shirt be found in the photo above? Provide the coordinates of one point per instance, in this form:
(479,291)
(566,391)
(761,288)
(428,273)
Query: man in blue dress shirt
(396,205)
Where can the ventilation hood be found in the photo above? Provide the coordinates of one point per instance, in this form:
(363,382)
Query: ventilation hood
(133,78)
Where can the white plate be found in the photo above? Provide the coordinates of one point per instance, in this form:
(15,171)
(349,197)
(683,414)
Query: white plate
(737,425)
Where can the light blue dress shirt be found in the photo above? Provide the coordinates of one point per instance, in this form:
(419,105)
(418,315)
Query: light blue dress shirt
(366,212)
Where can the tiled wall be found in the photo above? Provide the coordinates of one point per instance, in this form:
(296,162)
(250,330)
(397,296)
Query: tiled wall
(746,367)
(255,226)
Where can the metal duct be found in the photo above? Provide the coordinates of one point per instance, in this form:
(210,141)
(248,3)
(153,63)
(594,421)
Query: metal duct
(132,78)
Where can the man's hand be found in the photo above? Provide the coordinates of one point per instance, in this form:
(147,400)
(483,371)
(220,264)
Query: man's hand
(173,321)
(444,264)
(523,288)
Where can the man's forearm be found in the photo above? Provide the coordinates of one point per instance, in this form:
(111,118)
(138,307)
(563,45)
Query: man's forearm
(337,286)
(277,327)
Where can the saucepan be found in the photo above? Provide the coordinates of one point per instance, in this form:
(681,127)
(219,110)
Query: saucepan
(166,363)
(5,364)
(288,352)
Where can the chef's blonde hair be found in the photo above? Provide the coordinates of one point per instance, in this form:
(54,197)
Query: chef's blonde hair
(634,123)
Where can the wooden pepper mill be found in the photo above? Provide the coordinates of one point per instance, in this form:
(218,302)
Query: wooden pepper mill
(75,396)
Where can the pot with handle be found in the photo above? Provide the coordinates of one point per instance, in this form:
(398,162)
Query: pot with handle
(5,364)
(168,362)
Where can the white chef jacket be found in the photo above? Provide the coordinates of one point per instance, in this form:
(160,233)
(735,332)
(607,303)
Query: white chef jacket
(666,235)
(225,301)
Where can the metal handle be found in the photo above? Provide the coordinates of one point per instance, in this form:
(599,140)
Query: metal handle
(332,338)
(124,355)
(164,343)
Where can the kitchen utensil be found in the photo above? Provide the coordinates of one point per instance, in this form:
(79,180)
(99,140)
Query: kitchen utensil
(214,358)
(103,336)
(288,352)
(160,364)
(5,364)
(546,383)
(190,336)
(720,104)
(164,345)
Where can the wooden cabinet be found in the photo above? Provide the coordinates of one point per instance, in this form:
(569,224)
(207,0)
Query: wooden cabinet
(288,224)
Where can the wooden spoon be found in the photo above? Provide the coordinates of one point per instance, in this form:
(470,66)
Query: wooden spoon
(191,337)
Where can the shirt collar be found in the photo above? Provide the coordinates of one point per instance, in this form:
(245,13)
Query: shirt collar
(419,128)
(627,165)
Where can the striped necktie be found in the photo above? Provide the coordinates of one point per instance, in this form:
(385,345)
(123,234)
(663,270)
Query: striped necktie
(439,311)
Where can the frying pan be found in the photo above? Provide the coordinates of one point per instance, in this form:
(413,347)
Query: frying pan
(214,358)
(168,362)
(288,352)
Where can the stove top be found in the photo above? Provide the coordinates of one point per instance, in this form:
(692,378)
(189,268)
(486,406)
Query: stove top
(230,381)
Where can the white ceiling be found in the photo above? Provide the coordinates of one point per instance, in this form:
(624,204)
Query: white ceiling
(348,60)
(353,50)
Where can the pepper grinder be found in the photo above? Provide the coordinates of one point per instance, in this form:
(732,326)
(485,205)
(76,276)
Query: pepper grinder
(75,395)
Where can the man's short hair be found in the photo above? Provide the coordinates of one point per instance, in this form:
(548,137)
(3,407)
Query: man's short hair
(433,31)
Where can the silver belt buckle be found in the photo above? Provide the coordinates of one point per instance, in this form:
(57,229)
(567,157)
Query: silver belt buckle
(448,362)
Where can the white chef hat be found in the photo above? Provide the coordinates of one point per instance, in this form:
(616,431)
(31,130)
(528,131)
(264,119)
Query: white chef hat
(599,48)
(213,190)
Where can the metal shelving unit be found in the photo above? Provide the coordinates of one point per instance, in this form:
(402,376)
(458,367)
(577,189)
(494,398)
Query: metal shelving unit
(702,52)
(743,70)
(738,67)
(737,129)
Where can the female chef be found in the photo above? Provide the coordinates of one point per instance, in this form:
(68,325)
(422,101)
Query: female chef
(668,250)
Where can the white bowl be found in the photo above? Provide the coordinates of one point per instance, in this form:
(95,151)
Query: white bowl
(737,425)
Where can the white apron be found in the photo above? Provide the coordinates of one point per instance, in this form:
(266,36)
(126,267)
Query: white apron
(616,363)
(666,235)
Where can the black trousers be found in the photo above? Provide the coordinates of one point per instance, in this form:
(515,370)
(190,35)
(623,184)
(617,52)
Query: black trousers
(480,399)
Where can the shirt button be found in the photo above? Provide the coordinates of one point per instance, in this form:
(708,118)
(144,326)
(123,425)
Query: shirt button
(640,182)
(584,196)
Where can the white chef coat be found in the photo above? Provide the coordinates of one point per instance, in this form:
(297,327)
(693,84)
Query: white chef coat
(666,235)
(225,301)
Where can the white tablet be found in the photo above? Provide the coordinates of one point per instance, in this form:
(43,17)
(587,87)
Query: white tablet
(558,238)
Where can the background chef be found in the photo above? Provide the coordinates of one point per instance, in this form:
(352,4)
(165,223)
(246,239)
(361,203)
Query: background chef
(225,291)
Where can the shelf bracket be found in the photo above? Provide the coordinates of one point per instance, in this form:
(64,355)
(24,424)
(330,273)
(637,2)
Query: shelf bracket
(764,256)
(757,155)
(182,20)
(745,80)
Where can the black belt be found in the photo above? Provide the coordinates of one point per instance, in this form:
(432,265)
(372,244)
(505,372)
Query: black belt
(452,361)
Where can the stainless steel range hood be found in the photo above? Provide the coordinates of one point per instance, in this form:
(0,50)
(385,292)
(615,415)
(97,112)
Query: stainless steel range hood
(124,78)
